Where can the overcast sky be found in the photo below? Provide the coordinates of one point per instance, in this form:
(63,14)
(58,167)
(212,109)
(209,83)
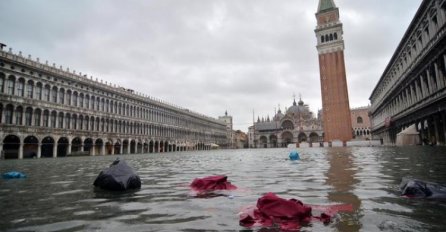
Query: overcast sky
(209,55)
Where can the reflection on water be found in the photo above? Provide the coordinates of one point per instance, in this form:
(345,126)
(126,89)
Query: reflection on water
(341,175)
(58,194)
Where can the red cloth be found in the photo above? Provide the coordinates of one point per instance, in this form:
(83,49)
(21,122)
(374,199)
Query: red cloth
(210,183)
(288,214)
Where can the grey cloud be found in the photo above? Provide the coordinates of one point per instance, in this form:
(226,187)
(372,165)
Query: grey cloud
(208,55)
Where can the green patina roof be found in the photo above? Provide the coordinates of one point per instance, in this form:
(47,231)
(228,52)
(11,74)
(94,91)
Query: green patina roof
(326,5)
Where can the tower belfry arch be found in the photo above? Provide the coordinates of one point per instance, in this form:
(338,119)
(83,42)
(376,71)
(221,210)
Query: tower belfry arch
(330,46)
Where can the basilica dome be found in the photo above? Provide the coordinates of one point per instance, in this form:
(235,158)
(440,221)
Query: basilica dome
(298,108)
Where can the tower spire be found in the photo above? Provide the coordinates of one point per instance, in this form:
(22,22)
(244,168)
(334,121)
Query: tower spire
(325,5)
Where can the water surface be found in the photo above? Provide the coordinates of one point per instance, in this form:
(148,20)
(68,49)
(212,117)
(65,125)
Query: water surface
(58,194)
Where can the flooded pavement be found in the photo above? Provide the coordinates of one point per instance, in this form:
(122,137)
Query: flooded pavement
(58,194)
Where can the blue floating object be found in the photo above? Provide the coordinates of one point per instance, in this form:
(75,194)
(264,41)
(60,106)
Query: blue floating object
(294,155)
(13,175)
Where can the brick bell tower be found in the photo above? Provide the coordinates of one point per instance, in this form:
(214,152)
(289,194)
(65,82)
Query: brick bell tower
(330,46)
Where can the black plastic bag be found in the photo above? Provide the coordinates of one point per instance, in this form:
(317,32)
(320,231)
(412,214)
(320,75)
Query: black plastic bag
(118,177)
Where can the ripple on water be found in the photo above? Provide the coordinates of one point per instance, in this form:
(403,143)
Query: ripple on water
(69,192)
(366,178)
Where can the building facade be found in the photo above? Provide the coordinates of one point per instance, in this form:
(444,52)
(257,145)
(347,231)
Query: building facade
(227,119)
(412,89)
(330,46)
(46,111)
(297,125)
(240,140)
(361,123)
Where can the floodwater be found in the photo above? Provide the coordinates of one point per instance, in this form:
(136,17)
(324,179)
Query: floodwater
(58,194)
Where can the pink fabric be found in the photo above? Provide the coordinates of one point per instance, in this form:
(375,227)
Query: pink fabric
(211,183)
(288,214)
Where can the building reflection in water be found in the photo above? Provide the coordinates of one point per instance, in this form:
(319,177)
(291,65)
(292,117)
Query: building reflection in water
(341,175)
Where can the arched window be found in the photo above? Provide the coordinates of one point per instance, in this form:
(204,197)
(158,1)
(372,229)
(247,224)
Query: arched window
(92,123)
(326,38)
(68,121)
(37,113)
(87,122)
(53,119)
(8,114)
(54,94)
(74,122)
(61,96)
(359,120)
(2,82)
(46,115)
(60,120)
(81,122)
(336,36)
(18,115)
(92,103)
(331,37)
(102,105)
(69,97)
(97,124)
(322,39)
(39,91)
(81,100)
(30,89)
(287,125)
(74,98)
(10,85)
(46,93)
(87,101)
(28,116)
(21,87)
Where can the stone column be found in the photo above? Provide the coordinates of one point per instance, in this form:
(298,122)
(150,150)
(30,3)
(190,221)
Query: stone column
(92,150)
(21,150)
(120,148)
(429,134)
(55,149)
(430,87)
(1,150)
(436,128)
(439,76)
(423,87)
(69,149)
(113,149)
(443,118)
(39,150)
(82,146)
(417,90)
(102,149)
(128,147)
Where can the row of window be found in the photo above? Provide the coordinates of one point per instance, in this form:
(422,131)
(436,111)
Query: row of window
(420,38)
(16,86)
(329,37)
(53,119)
(420,88)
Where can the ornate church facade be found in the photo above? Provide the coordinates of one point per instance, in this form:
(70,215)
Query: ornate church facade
(298,124)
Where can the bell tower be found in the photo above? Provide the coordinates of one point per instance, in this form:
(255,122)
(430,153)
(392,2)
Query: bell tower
(330,46)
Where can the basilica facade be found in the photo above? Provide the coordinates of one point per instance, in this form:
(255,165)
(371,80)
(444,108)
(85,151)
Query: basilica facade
(296,125)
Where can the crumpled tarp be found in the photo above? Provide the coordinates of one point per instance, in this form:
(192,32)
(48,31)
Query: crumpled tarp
(118,177)
(414,188)
(211,183)
(287,214)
